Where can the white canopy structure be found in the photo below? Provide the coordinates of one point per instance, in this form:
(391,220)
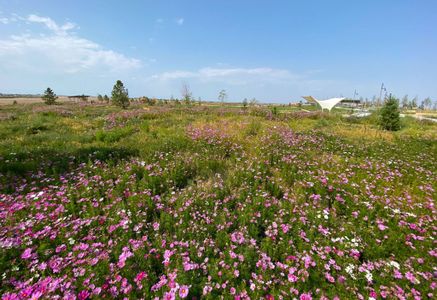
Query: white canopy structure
(325,104)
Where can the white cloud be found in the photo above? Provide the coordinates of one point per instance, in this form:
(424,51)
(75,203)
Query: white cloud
(50,24)
(180,21)
(231,75)
(60,51)
(7,20)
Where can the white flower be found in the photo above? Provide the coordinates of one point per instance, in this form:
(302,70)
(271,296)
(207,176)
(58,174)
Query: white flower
(350,270)
(369,276)
(394,264)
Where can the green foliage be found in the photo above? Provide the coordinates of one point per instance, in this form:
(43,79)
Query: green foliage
(120,96)
(49,97)
(245,103)
(100,98)
(110,136)
(275,111)
(389,115)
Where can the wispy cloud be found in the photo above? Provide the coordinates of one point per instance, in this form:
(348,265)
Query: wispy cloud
(231,75)
(180,21)
(4,20)
(50,24)
(10,19)
(61,50)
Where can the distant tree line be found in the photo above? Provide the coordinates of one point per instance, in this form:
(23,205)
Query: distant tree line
(120,97)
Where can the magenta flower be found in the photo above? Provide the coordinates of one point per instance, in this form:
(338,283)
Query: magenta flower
(27,253)
(84,294)
(305,297)
(169,296)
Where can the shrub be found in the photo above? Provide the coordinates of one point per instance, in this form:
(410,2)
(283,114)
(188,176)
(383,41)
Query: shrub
(389,115)
(49,97)
(120,96)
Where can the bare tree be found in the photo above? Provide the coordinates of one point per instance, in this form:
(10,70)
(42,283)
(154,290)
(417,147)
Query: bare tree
(222,96)
(253,102)
(405,101)
(427,103)
(187,95)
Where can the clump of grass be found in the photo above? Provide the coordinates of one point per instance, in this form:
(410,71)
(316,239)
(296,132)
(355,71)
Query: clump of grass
(114,135)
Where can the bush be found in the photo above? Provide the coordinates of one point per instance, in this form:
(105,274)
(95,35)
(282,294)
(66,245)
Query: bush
(120,96)
(389,115)
(49,96)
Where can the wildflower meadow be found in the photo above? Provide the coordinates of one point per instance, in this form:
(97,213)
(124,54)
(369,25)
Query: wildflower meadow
(214,202)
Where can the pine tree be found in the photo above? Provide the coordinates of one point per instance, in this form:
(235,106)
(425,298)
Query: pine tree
(120,96)
(49,96)
(389,115)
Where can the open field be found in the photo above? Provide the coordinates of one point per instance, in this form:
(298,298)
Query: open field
(214,201)
(28,100)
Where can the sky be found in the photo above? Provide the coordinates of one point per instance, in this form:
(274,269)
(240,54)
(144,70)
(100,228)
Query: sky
(274,51)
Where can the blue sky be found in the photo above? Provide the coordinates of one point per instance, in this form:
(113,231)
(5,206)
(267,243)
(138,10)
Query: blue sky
(274,51)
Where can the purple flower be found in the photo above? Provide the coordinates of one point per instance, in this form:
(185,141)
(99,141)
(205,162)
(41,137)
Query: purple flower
(27,253)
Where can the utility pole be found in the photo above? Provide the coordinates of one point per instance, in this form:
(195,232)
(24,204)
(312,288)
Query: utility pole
(355,94)
(380,93)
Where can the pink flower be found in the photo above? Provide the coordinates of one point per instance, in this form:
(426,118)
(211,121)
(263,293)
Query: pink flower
(397,274)
(305,297)
(236,273)
(382,227)
(232,291)
(410,277)
(169,296)
(36,296)
(292,277)
(156,226)
(27,253)
(84,294)
(329,277)
(183,291)
(140,276)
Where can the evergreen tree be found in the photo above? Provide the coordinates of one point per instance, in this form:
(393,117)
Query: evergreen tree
(245,103)
(389,115)
(120,96)
(106,98)
(49,96)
